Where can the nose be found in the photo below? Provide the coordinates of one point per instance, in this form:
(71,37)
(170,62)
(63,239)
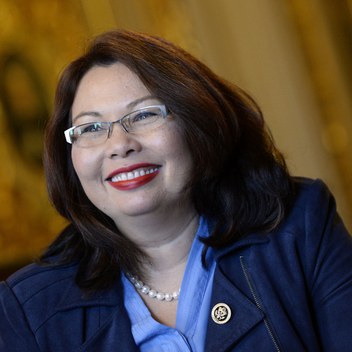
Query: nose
(120,143)
(119,123)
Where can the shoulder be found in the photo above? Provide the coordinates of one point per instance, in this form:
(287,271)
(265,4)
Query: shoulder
(314,231)
(34,279)
(43,305)
(311,226)
(310,190)
(28,299)
(38,292)
(311,216)
(313,204)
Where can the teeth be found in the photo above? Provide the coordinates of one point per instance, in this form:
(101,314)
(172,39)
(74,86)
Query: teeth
(133,174)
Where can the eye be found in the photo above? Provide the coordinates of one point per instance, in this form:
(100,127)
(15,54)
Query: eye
(148,117)
(144,115)
(92,127)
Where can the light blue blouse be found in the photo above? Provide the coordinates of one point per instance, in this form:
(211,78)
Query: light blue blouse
(192,311)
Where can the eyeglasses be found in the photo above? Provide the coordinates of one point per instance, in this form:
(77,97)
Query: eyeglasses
(94,133)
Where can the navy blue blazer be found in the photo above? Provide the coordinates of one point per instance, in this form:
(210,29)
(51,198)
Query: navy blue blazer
(290,290)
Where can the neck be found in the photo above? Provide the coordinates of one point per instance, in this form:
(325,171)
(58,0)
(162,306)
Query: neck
(166,240)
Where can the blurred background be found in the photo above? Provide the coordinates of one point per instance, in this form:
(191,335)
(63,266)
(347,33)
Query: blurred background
(292,56)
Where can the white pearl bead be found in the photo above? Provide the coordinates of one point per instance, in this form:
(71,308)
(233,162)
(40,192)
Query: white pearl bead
(168,297)
(152,293)
(160,296)
(139,284)
(145,289)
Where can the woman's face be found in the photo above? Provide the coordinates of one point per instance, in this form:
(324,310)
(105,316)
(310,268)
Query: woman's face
(156,163)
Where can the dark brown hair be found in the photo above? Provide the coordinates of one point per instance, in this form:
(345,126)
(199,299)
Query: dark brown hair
(241,181)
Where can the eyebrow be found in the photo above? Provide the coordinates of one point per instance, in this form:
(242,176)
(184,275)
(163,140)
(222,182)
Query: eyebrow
(133,103)
(130,105)
(86,113)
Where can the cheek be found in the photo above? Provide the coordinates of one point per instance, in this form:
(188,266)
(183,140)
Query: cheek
(181,150)
(84,163)
(178,154)
(171,140)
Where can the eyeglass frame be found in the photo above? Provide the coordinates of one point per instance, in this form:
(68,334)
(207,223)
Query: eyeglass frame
(164,110)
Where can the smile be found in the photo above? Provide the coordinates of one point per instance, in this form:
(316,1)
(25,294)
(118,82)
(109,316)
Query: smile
(133,177)
(133,174)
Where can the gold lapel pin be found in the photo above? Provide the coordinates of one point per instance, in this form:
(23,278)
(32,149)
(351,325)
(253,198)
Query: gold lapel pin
(221,313)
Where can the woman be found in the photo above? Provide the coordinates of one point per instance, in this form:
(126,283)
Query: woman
(186,231)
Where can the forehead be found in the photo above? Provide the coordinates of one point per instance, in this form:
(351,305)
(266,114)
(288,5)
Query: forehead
(105,85)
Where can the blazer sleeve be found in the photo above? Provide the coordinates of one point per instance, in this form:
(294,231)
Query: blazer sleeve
(15,332)
(329,249)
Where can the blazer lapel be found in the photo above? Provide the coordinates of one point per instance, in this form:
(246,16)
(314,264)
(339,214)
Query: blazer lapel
(244,315)
(114,335)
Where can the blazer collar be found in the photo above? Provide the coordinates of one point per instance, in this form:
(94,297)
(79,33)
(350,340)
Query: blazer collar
(252,239)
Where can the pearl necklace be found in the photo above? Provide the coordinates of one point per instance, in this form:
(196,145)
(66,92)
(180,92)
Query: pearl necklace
(146,290)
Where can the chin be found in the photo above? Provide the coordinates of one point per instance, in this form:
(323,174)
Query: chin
(133,210)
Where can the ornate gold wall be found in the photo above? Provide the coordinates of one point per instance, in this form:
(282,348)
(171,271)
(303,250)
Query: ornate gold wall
(324,29)
(292,55)
(36,39)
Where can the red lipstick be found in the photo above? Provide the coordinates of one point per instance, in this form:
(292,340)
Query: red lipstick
(133,176)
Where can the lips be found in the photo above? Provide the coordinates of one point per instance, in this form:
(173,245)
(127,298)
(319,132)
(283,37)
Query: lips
(133,176)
